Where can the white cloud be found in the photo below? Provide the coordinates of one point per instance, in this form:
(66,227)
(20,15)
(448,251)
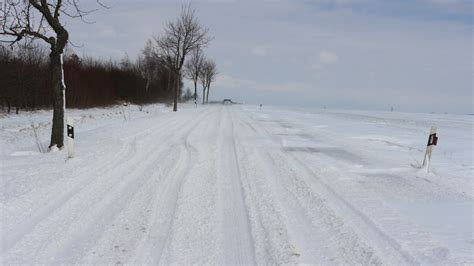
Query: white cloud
(259,51)
(226,81)
(463,7)
(106,31)
(431,55)
(324,59)
(328,58)
(445,2)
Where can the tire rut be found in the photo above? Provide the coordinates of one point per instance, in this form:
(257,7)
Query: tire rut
(106,183)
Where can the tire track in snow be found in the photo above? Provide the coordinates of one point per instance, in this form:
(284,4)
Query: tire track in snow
(272,241)
(320,235)
(150,248)
(410,237)
(183,156)
(80,237)
(138,184)
(47,207)
(38,215)
(386,247)
(104,184)
(124,150)
(237,243)
(194,228)
(118,240)
(369,201)
(325,237)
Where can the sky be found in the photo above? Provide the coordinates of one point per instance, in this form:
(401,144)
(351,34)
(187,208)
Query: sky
(412,55)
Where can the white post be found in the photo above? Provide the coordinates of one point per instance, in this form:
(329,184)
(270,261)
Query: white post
(432,141)
(70,137)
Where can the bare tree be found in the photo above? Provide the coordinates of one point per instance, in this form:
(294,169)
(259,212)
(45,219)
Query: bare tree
(148,63)
(207,76)
(31,57)
(22,75)
(192,68)
(40,19)
(179,39)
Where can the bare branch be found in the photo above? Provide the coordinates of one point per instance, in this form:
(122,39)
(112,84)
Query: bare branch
(40,19)
(181,37)
(36,19)
(208,72)
(57,8)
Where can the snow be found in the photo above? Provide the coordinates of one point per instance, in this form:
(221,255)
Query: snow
(237,185)
(24,153)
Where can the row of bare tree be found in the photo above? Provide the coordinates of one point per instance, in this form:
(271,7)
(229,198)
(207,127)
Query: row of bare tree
(25,84)
(203,70)
(162,61)
(180,50)
(42,20)
(22,78)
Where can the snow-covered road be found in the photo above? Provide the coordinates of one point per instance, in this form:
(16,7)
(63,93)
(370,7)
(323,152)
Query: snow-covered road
(236,185)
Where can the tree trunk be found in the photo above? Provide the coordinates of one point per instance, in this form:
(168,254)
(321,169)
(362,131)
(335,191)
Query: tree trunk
(203,95)
(57,134)
(176,94)
(148,81)
(169,79)
(195,91)
(207,96)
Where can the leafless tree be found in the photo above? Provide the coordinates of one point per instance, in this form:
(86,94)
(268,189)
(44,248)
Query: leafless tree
(154,64)
(148,63)
(207,76)
(31,56)
(40,19)
(192,68)
(180,38)
(22,75)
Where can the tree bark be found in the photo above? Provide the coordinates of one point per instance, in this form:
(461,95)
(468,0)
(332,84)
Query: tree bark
(169,79)
(203,95)
(57,135)
(176,94)
(57,81)
(207,96)
(195,91)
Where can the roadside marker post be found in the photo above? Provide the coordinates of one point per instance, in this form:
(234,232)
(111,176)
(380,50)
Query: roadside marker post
(432,141)
(70,137)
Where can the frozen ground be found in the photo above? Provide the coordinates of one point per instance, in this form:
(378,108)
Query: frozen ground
(236,185)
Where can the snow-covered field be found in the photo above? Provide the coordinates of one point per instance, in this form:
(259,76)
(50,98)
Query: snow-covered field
(238,185)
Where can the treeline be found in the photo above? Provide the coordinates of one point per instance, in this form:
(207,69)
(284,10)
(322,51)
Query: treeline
(25,80)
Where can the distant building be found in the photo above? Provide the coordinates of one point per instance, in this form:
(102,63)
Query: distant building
(227,102)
